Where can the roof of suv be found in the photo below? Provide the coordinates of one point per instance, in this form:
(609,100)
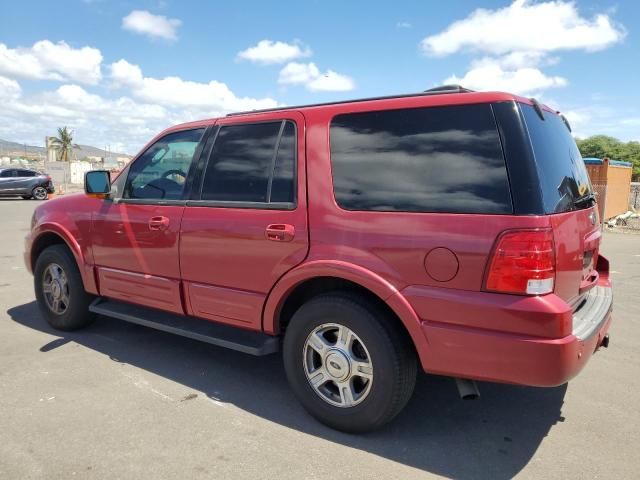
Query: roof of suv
(454,93)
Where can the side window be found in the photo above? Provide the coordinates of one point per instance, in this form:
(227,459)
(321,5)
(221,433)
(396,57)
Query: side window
(26,173)
(283,183)
(252,163)
(160,173)
(7,173)
(437,159)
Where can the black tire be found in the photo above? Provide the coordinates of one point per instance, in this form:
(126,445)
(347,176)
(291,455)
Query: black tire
(76,314)
(392,356)
(39,193)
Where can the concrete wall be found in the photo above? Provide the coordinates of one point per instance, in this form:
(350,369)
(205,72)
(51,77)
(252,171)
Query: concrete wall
(78,169)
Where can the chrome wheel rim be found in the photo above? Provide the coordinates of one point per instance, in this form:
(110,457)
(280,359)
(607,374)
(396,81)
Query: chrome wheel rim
(55,288)
(40,193)
(337,365)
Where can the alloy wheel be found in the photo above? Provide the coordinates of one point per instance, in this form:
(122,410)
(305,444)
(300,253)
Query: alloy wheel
(40,193)
(55,288)
(337,365)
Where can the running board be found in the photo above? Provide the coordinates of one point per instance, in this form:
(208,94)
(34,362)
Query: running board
(253,343)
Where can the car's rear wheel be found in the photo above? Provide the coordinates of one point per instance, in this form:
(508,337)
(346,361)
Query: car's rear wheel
(39,193)
(59,289)
(350,364)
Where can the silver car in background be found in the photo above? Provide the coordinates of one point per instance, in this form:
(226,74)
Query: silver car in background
(25,183)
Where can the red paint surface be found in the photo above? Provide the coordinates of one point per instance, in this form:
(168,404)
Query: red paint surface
(441,264)
(222,266)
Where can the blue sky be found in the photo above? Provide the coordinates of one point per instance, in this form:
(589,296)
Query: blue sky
(117,72)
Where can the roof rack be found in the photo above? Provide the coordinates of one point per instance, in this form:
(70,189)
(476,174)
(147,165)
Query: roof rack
(444,89)
(452,88)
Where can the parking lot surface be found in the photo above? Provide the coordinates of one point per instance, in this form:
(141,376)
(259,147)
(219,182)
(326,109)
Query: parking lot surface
(122,401)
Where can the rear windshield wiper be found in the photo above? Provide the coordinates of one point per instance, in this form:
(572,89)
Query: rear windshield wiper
(586,199)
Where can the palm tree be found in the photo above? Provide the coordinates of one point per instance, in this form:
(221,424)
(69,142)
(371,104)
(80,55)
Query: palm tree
(63,143)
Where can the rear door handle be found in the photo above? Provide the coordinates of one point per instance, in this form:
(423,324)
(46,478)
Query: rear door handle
(280,232)
(158,223)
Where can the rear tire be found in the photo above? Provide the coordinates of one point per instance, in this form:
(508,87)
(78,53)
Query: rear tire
(361,383)
(59,290)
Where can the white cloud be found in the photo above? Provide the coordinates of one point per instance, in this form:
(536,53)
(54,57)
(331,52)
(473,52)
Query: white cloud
(507,74)
(142,107)
(298,73)
(9,89)
(210,98)
(525,26)
(122,122)
(268,52)
(153,26)
(403,25)
(520,39)
(46,60)
(309,75)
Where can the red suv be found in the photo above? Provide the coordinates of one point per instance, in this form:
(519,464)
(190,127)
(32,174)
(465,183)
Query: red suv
(451,230)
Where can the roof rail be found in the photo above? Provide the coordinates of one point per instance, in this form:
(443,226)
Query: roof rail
(445,89)
(449,89)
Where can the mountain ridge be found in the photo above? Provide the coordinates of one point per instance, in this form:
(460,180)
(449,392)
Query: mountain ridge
(9,148)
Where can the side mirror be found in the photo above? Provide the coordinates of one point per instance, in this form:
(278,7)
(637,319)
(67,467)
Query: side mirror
(97,183)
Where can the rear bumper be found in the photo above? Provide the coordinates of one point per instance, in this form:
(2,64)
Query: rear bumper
(507,358)
(468,351)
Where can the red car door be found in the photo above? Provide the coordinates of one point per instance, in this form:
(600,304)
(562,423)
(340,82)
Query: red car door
(136,233)
(248,225)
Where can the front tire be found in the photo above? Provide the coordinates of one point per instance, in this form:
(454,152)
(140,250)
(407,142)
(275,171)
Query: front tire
(59,290)
(348,362)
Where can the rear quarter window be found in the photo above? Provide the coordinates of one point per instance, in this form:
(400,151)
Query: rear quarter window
(436,159)
(563,175)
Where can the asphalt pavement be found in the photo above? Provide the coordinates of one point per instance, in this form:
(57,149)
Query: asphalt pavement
(121,401)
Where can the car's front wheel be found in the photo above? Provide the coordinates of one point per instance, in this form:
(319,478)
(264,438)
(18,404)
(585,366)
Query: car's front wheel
(59,289)
(39,193)
(350,364)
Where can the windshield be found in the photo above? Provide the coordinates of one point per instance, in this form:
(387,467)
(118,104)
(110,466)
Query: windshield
(563,176)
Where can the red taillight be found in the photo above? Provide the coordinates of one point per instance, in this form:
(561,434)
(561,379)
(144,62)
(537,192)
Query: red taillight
(523,262)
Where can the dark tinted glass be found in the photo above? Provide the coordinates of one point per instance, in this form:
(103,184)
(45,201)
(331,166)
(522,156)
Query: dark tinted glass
(283,187)
(7,173)
(160,173)
(26,173)
(563,175)
(438,159)
(241,162)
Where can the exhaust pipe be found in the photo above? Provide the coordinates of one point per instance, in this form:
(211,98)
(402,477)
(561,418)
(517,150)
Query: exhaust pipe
(467,389)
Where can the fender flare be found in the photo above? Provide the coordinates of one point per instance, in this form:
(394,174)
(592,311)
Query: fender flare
(86,271)
(353,273)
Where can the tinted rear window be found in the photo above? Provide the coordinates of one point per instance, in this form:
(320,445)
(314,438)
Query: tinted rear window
(563,175)
(438,159)
(252,163)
